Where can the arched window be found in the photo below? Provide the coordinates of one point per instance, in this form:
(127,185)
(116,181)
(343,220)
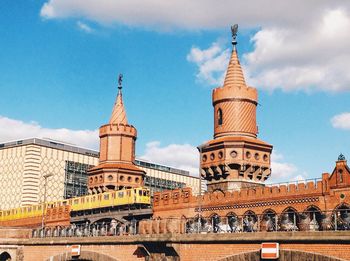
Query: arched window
(219,117)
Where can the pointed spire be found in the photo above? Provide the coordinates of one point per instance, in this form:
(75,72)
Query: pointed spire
(234,75)
(119,114)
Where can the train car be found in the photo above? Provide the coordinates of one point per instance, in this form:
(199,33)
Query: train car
(59,212)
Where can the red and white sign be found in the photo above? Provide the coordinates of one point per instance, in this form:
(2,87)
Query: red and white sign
(75,250)
(270,250)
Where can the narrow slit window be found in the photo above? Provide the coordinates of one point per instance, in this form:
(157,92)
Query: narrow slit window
(219,117)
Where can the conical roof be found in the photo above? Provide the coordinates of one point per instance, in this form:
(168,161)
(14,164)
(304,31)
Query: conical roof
(234,75)
(118,114)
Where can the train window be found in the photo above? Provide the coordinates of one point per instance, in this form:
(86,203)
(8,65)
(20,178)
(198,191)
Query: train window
(39,208)
(99,197)
(70,202)
(128,192)
(64,203)
(82,200)
(29,210)
(140,192)
(145,193)
(87,200)
(113,194)
(34,208)
(93,199)
(106,197)
(76,201)
(120,194)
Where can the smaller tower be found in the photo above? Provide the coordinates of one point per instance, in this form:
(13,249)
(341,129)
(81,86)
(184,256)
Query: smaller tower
(116,168)
(235,158)
(340,176)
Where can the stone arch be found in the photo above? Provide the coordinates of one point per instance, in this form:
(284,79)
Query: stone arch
(268,220)
(341,216)
(285,255)
(250,221)
(84,255)
(311,218)
(234,222)
(5,256)
(289,219)
(215,220)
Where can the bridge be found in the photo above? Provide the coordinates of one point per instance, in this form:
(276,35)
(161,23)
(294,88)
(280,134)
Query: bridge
(18,244)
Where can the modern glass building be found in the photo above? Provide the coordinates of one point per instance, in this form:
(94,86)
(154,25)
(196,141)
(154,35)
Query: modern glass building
(25,163)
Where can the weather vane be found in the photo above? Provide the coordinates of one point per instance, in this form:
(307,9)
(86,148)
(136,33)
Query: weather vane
(234,30)
(120,80)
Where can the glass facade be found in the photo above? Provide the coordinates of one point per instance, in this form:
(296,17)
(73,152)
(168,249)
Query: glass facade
(158,184)
(75,183)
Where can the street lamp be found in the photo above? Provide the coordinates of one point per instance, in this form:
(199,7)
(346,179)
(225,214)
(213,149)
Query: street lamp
(44,202)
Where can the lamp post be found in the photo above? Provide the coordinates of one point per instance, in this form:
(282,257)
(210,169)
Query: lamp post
(44,202)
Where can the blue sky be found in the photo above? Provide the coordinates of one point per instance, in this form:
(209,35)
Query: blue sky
(60,60)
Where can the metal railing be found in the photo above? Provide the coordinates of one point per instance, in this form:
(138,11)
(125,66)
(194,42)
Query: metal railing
(338,220)
(88,230)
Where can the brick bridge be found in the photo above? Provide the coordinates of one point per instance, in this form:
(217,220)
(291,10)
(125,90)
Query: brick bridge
(320,245)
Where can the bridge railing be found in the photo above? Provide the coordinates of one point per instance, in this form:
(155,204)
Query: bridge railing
(87,230)
(250,222)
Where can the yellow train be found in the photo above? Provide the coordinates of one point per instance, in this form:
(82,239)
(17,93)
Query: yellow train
(59,212)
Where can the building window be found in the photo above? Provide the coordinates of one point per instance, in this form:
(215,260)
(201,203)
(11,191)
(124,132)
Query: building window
(219,117)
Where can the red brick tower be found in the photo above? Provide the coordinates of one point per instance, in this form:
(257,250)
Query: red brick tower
(116,168)
(235,158)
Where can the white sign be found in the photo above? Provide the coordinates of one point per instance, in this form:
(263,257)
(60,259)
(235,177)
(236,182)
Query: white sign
(270,250)
(75,250)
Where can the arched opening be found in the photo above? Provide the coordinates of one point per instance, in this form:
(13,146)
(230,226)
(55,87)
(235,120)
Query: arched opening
(310,219)
(215,222)
(289,220)
(220,121)
(234,223)
(342,217)
(5,256)
(250,222)
(268,221)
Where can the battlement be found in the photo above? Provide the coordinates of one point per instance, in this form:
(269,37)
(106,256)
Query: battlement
(121,129)
(239,93)
(176,198)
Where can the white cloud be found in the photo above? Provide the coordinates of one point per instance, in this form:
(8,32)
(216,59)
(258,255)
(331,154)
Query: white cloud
(341,121)
(310,57)
(299,45)
(283,171)
(11,129)
(186,156)
(182,156)
(194,14)
(211,62)
(84,27)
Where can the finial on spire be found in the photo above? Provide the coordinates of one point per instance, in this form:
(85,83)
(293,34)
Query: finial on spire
(341,157)
(120,80)
(234,30)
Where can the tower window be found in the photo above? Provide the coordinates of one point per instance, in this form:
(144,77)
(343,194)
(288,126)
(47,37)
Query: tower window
(219,117)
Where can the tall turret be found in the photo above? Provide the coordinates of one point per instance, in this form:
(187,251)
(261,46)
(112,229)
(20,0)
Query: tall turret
(235,158)
(116,169)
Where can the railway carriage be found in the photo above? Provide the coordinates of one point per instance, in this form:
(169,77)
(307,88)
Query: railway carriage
(59,212)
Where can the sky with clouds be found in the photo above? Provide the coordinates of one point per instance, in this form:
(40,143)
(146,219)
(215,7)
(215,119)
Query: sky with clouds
(60,60)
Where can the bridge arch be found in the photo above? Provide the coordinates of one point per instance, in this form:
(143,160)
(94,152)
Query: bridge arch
(84,255)
(285,255)
(5,256)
